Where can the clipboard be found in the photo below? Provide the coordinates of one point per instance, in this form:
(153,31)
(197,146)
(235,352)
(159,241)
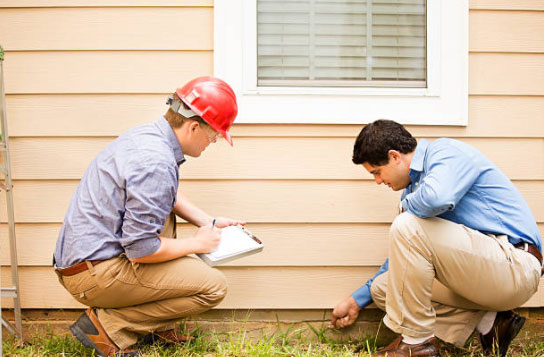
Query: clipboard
(236,242)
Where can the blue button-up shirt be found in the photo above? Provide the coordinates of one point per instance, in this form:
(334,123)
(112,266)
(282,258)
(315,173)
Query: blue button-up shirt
(454,181)
(122,201)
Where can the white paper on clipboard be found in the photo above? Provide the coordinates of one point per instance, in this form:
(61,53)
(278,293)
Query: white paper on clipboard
(236,242)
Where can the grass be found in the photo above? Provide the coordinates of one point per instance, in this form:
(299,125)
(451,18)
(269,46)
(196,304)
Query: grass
(303,341)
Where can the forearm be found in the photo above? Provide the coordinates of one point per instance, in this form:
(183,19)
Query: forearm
(362,295)
(187,210)
(170,249)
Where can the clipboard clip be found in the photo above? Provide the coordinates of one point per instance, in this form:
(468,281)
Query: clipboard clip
(250,234)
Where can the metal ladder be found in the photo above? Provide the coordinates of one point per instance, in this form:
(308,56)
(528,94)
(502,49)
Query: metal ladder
(7,186)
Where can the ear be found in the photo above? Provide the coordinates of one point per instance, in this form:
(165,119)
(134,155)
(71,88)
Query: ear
(394,155)
(193,126)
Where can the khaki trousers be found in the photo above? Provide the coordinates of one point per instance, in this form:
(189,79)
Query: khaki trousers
(136,299)
(443,277)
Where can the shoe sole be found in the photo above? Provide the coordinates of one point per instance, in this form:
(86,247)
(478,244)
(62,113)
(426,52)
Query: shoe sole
(517,324)
(86,341)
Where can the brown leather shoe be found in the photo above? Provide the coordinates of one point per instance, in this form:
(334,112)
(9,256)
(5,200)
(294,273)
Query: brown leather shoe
(168,337)
(398,348)
(505,328)
(89,331)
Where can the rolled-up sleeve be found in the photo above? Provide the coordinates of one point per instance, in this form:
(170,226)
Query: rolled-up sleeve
(150,195)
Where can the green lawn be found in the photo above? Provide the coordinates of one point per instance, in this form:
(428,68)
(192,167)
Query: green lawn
(283,342)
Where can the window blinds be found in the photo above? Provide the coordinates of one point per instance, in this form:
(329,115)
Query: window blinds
(378,43)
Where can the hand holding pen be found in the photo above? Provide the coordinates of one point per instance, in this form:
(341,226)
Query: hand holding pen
(208,238)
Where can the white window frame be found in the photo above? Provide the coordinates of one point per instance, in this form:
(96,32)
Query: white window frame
(443,102)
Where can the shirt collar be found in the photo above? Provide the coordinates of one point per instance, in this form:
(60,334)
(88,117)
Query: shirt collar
(416,165)
(166,129)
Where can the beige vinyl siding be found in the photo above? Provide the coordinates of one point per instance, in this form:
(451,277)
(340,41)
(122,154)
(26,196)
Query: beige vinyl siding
(109,115)
(356,244)
(293,201)
(96,72)
(67,72)
(249,287)
(133,28)
(39,158)
(74,85)
(516,39)
(529,5)
(104,3)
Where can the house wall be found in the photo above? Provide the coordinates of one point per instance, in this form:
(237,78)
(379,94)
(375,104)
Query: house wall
(79,73)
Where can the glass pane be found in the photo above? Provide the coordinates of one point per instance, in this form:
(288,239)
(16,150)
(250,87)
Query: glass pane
(375,43)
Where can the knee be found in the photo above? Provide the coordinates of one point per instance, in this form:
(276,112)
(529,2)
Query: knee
(218,289)
(402,224)
(378,290)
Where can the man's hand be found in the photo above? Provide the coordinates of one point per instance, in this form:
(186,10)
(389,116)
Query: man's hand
(222,222)
(345,313)
(207,239)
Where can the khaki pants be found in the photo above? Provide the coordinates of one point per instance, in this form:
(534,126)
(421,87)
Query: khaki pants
(135,299)
(443,277)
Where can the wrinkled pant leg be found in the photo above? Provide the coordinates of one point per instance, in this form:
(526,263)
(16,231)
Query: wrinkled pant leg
(487,271)
(456,317)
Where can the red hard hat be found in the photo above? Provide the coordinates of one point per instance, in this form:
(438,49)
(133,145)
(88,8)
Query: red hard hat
(213,100)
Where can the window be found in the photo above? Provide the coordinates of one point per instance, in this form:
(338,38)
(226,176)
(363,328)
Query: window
(345,61)
(341,43)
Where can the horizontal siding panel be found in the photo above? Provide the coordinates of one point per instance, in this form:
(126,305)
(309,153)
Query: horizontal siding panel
(255,201)
(111,114)
(249,288)
(62,115)
(255,288)
(502,116)
(286,158)
(159,72)
(506,74)
(102,3)
(474,4)
(111,28)
(322,244)
(502,31)
(331,244)
(536,5)
(103,72)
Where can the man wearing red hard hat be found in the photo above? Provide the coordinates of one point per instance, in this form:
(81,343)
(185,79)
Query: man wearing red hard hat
(115,251)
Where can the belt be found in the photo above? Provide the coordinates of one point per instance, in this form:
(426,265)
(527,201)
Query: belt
(531,249)
(78,268)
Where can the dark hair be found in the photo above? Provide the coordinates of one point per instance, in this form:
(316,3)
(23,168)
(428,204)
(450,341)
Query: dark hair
(377,138)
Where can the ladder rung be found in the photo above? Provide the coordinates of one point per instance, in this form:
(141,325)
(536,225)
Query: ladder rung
(9,292)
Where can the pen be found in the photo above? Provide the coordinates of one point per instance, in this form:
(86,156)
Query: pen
(213,223)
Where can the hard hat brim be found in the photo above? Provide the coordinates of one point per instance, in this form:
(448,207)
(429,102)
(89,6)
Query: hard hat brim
(227,136)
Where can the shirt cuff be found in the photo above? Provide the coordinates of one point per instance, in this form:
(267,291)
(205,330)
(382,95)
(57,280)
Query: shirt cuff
(362,296)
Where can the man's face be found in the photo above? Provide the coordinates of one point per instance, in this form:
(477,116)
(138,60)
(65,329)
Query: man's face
(202,136)
(393,174)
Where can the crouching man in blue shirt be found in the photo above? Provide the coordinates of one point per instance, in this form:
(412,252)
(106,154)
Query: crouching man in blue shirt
(465,252)
(115,251)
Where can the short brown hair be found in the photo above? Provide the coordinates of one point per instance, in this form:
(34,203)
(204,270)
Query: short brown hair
(176,120)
